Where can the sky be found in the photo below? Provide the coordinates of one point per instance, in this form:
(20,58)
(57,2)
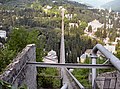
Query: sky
(95,3)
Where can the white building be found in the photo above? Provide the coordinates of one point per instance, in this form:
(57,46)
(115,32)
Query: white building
(60,7)
(110,48)
(2,34)
(117,38)
(69,16)
(108,26)
(48,7)
(51,57)
(106,40)
(95,25)
(73,25)
(83,58)
(89,51)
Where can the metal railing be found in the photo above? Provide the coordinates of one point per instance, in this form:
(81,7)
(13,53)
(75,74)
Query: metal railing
(78,84)
(113,60)
(70,65)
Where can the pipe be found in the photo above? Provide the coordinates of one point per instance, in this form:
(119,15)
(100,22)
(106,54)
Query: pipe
(76,81)
(114,60)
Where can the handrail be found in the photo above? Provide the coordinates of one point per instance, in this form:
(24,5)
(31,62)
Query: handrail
(70,65)
(114,60)
(65,86)
(76,81)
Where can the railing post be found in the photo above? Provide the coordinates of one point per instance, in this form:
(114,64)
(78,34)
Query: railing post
(93,57)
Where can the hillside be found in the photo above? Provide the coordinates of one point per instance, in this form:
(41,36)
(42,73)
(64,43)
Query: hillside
(25,3)
(94,3)
(21,3)
(114,5)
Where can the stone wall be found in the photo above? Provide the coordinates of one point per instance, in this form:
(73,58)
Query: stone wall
(18,72)
(109,80)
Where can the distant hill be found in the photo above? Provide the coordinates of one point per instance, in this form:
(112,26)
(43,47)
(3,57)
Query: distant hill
(114,5)
(4,1)
(94,3)
(22,3)
(14,3)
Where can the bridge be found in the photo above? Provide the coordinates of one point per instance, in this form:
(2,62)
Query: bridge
(23,69)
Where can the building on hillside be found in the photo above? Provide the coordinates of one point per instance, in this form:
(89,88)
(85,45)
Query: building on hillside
(1,45)
(110,48)
(48,7)
(69,16)
(110,10)
(95,25)
(83,58)
(117,39)
(73,25)
(89,51)
(108,26)
(106,40)
(51,57)
(2,34)
(60,7)
(118,29)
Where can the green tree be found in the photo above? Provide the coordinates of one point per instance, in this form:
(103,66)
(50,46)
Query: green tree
(90,29)
(83,25)
(17,39)
(118,50)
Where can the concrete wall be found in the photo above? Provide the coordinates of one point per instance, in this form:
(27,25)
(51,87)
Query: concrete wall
(18,72)
(109,80)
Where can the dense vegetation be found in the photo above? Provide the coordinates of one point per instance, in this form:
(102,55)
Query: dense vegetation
(18,39)
(48,78)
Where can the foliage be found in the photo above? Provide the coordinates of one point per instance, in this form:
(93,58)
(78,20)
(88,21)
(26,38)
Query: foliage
(18,39)
(83,25)
(6,56)
(36,6)
(82,75)
(23,87)
(101,33)
(90,29)
(118,50)
(4,85)
(4,1)
(47,78)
